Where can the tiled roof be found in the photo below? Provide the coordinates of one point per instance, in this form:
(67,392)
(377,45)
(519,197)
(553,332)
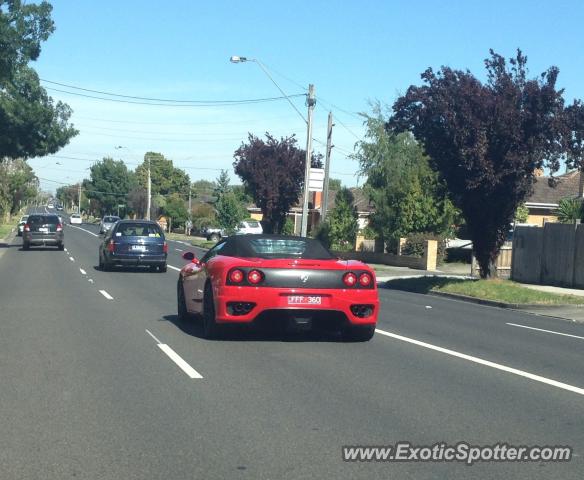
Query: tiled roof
(551,190)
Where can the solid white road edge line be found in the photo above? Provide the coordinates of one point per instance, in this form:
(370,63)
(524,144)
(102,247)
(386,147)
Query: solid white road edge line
(174,268)
(179,249)
(83,272)
(106,295)
(547,331)
(176,358)
(87,231)
(470,358)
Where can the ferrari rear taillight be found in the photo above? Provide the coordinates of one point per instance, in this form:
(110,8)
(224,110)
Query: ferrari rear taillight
(236,276)
(26,227)
(350,279)
(59,227)
(165,247)
(111,246)
(365,279)
(254,277)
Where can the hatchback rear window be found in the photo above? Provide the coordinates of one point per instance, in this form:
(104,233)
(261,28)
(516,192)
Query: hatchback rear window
(138,230)
(43,219)
(110,219)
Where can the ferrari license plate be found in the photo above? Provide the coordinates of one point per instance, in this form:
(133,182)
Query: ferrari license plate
(304,300)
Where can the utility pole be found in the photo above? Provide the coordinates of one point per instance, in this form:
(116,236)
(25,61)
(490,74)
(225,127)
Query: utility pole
(149,193)
(79,204)
(329,137)
(190,211)
(310,102)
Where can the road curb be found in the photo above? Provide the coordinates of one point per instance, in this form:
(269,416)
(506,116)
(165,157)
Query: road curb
(510,306)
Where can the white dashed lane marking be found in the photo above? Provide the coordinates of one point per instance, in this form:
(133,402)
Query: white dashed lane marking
(106,295)
(83,272)
(176,358)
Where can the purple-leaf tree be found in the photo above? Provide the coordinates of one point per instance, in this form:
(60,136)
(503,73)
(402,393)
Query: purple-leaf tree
(486,139)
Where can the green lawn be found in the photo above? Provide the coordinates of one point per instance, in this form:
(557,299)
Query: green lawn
(498,290)
(5,230)
(193,241)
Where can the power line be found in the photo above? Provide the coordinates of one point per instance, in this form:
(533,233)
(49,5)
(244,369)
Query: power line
(166,100)
(218,103)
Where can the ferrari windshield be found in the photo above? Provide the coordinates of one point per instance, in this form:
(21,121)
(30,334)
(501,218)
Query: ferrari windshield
(278,247)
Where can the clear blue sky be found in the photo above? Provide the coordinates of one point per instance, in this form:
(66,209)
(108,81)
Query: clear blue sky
(352,51)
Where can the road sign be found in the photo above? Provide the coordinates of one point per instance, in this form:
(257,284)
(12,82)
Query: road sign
(316,180)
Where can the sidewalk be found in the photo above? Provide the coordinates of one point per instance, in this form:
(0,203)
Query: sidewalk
(449,270)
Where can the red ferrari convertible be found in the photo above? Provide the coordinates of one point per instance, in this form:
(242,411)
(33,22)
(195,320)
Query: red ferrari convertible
(273,278)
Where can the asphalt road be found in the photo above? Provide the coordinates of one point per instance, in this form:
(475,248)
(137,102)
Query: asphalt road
(90,390)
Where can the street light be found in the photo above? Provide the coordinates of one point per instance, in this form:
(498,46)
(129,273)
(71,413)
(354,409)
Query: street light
(310,101)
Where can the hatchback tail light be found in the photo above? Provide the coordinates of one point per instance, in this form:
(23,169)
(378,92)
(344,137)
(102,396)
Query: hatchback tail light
(254,277)
(236,276)
(59,227)
(26,227)
(350,279)
(111,246)
(165,247)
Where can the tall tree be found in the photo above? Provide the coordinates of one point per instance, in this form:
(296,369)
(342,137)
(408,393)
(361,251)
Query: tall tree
(165,177)
(108,185)
(31,124)
(222,185)
(486,139)
(272,171)
(407,194)
(228,212)
(343,219)
(18,183)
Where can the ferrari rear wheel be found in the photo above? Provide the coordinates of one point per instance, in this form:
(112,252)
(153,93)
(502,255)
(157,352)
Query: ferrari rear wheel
(358,334)
(210,327)
(181,303)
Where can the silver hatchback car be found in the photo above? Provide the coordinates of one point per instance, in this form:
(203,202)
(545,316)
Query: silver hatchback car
(43,230)
(107,223)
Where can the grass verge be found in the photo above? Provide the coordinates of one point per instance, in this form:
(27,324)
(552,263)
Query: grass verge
(496,290)
(195,242)
(5,229)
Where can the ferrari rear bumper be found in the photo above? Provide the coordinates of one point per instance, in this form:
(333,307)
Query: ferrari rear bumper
(245,304)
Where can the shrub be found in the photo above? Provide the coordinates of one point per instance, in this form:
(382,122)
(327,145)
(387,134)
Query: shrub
(323,233)
(416,243)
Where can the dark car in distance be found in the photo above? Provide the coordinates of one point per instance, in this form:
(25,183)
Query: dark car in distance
(134,243)
(43,229)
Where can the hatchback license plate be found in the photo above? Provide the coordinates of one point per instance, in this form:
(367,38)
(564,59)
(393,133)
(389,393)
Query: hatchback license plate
(304,300)
(139,248)
(43,230)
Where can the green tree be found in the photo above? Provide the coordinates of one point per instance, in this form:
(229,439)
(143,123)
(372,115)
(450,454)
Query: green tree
(176,209)
(165,177)
(407,194)
(521,214)
(31,124)
(228,212)
(335,184)
(343,220)
(18,184)
(108,185)
(222,185)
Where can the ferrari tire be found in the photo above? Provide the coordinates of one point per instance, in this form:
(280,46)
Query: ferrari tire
(181,304)
(210,327)
(358,334)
